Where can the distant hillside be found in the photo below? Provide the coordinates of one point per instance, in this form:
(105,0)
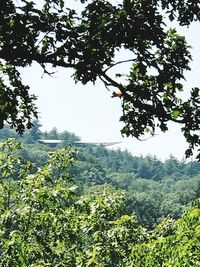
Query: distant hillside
(154,189)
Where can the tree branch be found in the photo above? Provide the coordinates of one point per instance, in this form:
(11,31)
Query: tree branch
(41,59)
(117,63)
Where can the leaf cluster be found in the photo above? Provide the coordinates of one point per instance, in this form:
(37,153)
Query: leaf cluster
(88,42)
(43,222)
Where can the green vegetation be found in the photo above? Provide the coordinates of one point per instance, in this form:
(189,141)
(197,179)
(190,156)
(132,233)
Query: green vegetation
(153,189)
(98,207)
(44,221)
(88,41)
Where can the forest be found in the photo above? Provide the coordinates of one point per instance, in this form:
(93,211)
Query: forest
(93,206)
(89,206)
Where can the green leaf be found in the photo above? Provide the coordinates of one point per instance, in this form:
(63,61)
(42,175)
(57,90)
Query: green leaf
(175,113)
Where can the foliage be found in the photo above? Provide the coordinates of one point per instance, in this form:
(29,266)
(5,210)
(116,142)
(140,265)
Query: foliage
(34,135)
(178,243)
(172,243)
(154,189)
(43,222)
(88,41)
(67,137)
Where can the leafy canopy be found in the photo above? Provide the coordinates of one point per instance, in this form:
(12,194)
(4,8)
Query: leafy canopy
(88,42)
(43,222)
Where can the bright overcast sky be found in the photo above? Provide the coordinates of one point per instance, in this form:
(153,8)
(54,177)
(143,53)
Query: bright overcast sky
(91,113)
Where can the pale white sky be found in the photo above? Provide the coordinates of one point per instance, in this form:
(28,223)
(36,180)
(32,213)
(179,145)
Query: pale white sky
(91,113)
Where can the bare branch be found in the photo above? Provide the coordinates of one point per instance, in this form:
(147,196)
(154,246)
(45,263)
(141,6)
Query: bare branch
(119,62)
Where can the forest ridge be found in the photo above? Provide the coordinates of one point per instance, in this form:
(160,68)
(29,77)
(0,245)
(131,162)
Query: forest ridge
(154,189)
(48,217)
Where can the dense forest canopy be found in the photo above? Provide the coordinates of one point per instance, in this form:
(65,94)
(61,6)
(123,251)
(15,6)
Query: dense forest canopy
(153,188)
(46,218)
(53,33)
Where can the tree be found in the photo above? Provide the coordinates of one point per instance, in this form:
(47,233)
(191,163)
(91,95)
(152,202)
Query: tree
(7,132)
(146,207)
(68,138)
(53,134)
(33,134)
(177,243)
(43,222)
(56,34)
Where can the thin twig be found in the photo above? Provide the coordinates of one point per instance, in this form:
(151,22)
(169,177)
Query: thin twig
(117,63)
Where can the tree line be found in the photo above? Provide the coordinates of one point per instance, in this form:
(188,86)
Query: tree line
(154,189)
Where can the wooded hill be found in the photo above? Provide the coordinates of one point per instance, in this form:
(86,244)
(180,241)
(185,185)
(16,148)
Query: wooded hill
(154,189)
(48,219)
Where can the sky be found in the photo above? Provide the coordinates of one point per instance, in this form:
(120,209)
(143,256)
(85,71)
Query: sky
(90,112)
